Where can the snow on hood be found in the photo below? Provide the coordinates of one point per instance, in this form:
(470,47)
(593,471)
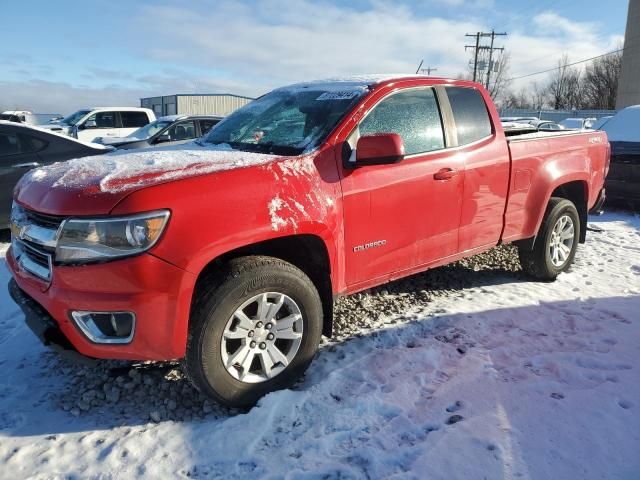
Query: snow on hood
(624,126)
(123,170)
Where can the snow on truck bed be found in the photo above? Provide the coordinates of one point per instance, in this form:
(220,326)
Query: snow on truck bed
(504,379)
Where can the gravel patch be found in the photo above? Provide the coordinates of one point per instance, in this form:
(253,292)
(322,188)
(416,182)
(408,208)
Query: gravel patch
(156,392)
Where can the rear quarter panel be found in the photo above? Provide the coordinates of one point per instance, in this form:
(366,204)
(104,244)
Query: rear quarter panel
(540,164)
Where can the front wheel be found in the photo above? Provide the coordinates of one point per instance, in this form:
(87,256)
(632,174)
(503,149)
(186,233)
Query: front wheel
(556,243)
(255,329)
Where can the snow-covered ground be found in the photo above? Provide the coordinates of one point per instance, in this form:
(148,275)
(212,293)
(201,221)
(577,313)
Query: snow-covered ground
(501,379)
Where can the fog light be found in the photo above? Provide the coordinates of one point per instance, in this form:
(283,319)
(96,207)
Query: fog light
(106,327)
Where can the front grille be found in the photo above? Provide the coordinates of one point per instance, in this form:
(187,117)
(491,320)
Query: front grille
(38,256)
(43,220)
(34,237)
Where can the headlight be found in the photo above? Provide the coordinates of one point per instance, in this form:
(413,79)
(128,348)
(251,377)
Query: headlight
(86,240)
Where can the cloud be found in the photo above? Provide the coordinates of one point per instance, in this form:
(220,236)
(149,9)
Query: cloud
(250,48)
(63,97)
(305,40)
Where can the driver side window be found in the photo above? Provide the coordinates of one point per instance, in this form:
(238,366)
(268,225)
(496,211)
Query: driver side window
(412,114)
(182,131)
(101,120)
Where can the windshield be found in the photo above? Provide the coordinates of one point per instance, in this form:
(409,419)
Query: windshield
(74,118)
(287,121)
(149,130)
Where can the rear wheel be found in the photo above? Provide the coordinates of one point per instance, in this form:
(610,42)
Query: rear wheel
(556,243)
(255,329)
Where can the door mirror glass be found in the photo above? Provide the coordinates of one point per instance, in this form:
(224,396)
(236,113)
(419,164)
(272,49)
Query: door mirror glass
(379,149)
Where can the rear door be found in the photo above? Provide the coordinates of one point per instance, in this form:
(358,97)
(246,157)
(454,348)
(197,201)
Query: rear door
(400,216)
(17,156)
(486,164)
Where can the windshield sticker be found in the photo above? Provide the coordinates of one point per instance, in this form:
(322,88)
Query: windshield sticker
(347,95)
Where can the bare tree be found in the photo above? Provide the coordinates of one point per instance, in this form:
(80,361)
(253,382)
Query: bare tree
(600,82)
(531,97)
(565,88)
(538,95)
(520,99)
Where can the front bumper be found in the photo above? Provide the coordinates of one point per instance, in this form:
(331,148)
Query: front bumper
(44,326)
(157,292)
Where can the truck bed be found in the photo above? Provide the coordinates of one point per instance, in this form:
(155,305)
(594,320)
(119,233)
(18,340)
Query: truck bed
(536,161)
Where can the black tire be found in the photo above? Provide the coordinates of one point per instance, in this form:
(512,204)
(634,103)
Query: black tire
(538,262)
(218,298)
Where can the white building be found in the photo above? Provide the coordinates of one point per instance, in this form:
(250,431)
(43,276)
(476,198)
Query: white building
(195,104)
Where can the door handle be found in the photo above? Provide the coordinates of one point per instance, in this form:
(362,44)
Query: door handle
(26,165)
(445,174)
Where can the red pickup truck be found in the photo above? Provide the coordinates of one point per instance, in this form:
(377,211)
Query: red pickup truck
(227,253)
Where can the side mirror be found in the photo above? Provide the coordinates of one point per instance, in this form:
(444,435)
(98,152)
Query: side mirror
(163,138)
(89,124)
(379,149)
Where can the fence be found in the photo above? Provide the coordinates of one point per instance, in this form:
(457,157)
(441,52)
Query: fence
(555,115)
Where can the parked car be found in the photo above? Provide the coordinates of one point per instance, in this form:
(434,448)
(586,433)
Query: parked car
(28,117)
(577,123)
(518,119)
(90,123)
(597,125)
(23,148)
(169,130)
(545,125)
(229,251)
(515,128)
(623,131)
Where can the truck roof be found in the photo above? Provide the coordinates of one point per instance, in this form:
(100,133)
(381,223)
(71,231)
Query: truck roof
(364,80)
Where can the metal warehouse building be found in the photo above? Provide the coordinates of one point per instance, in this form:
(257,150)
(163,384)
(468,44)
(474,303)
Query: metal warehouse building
(195,104)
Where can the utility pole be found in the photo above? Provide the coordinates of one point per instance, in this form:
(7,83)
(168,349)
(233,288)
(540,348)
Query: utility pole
(427,69)
(478,48)
(491,49)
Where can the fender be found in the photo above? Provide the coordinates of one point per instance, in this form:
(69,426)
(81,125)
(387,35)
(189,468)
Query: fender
(542,191)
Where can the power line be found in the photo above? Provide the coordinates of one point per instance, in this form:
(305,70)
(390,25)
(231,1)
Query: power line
(567,65)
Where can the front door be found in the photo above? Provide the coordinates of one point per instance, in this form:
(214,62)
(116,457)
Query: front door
(404,215)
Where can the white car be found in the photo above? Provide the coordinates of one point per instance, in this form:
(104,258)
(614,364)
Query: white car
(91,123)
(577,123)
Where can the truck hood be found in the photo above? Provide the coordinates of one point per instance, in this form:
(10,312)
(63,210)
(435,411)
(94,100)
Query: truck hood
(94,185)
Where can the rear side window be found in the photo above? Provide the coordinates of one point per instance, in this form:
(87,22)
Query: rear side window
(134,119)
(412,114)
(9,144)
(31,144)
(12,144)
(206,125)
(470,114)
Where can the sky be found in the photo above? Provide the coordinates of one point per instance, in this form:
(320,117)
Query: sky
(72,54)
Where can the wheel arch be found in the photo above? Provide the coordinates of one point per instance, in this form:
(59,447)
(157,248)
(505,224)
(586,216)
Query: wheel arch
(574,190)
(308,252)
